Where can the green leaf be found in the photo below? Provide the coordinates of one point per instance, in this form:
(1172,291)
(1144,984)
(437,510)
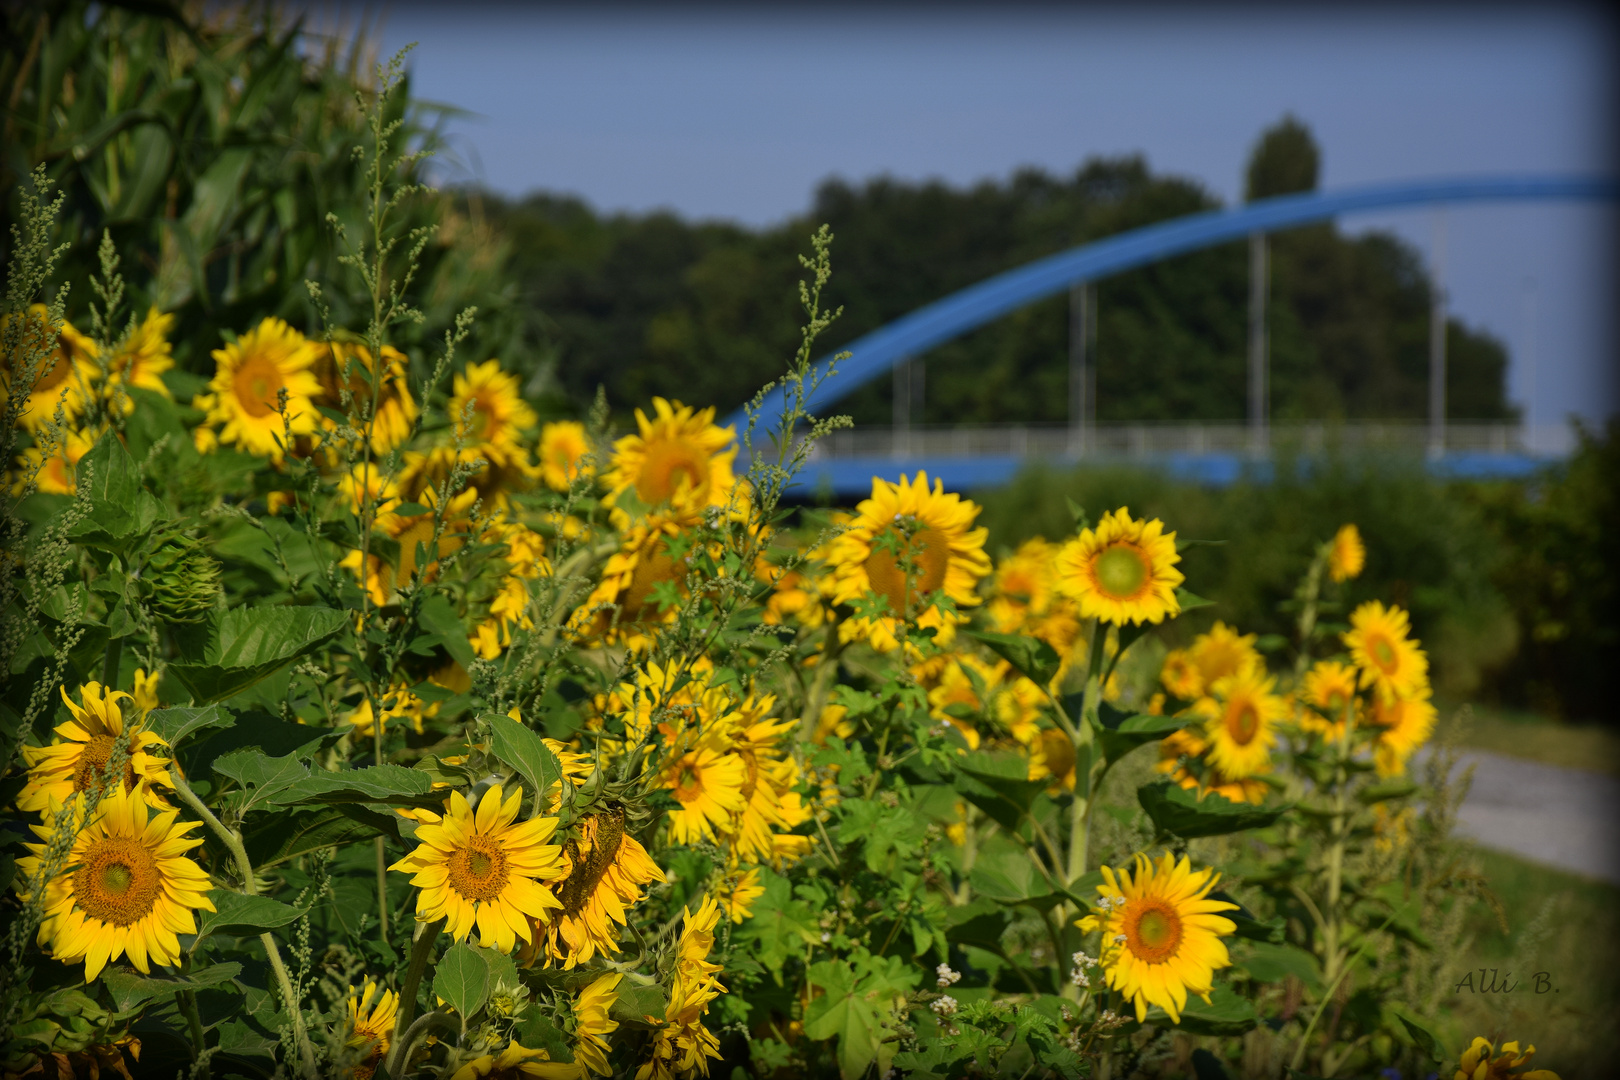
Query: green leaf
(1425,1039)
(462,979)
(238,913)
(173,725)
(261,776)
(782,926)
(1006,774)
(1272,963)
(1180,812)
(1033,657)
(244,645)
(517,746)
(1011,877)
(1226,1014)
(440,620)
(275,838)
(129,989)
(392,784)
(843,1013)
(1189,602)
(1387,791)
(1136,731)
(537,1032)
(637,1001)
(981,923)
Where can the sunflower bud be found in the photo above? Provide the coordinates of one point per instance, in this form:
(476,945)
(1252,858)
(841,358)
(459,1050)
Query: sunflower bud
(181,580)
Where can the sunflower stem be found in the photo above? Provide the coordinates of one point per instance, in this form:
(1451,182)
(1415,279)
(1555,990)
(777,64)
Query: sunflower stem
(109,662)
(244,866)
(421,948)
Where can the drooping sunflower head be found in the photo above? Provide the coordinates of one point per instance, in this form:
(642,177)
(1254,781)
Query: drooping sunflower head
(488,410)
(678,457)
(1347,555)
(87,744)
(141,359)
(1122,571)
(592,1023)
(1222,652)
(517,1062)
(250,376)
(606,871)
(1242,715)
(127,888)
(564,449)
(66,374)
(1379,644)
(1161,935)
(345,369)
(485,869)
(907,546)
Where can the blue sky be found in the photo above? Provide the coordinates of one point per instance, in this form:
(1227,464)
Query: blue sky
(739,111)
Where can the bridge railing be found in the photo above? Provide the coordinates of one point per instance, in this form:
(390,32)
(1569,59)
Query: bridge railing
(1143,441)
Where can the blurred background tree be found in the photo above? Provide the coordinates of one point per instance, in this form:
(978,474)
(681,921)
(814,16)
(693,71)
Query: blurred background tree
(212,141)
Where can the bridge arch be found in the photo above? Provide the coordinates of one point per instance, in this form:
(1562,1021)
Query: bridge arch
(876,353)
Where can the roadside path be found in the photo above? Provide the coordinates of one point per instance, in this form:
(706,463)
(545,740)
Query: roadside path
(1564,818)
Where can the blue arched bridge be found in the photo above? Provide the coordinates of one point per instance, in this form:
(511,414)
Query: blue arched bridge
(966,458)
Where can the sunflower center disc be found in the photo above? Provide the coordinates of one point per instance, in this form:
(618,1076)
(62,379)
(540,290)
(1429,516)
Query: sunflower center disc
(117,881)
(478,870)
(929,553)
(1155,933)
(258,384)
(670,466)
(1121,571)
(1383,653)
(93,763)
(1243,723)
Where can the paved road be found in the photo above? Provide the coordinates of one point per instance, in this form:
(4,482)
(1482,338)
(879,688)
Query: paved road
(1564,818)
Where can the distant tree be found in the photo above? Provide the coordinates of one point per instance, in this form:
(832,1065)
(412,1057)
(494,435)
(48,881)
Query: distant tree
(1285,160)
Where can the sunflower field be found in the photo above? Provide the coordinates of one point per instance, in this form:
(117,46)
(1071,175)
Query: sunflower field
(359,724)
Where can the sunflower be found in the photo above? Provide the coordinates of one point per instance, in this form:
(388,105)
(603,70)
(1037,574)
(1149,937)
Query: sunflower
(679,457)
(770,805)
(739,890)
(707,781)
(57,473)
(1181,676)
(485,869)
(900,524)
(683,1046)
(638,584)
(146,691)
(1024,598)
(1404,725)
(1160,933)
(564,447)
(1242,717)
(1329,692)
(603,874)
(396,409)
(489,412)
(1481,1062)
(411,532)
(80,759)
(127,887)
(398,703)
(1346,554)
(371,1025)
(592,1023)
(967,682)
(140,361)
(66,374)
(1122,571)
(1222,652)
(250,375)
(515,1062)
(1182,752)
(1388,659)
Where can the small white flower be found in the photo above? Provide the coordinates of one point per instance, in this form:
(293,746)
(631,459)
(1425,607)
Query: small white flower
(1079,978)
(826,936)
(945,1006)
(944,976)
(1120,939)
